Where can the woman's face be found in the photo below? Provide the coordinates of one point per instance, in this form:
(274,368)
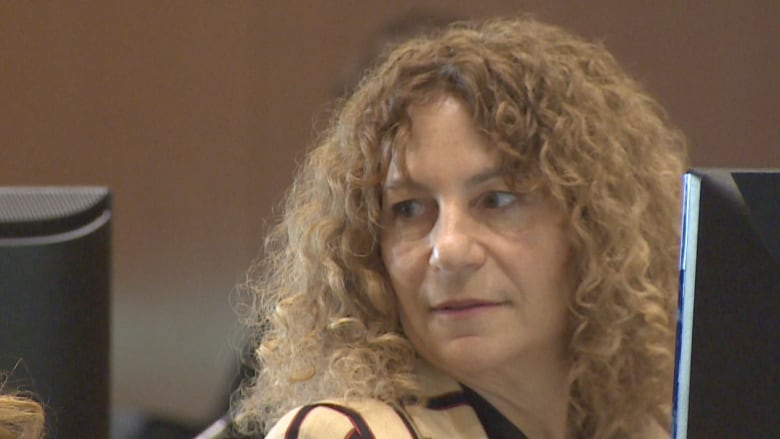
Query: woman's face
(480,271)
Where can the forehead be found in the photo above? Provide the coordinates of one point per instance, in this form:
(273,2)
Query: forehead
(435,125)
(442,129)
(444,120)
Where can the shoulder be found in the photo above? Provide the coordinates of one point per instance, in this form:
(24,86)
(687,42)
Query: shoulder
(442,413)
(354,419)
(653,430)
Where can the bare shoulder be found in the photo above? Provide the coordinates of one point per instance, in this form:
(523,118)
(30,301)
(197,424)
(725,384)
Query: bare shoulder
(653,430)
(337,419)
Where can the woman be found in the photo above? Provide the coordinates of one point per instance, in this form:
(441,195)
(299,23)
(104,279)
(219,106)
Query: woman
(482,244)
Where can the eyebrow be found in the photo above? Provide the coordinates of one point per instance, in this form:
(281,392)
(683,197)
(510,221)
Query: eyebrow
(402,182)
(484,176)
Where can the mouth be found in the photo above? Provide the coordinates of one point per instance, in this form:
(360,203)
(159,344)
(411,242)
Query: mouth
(465,306)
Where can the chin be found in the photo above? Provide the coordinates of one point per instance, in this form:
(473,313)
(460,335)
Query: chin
(463,359)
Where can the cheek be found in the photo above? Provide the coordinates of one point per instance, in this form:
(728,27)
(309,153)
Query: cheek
(561,280)
(406,268)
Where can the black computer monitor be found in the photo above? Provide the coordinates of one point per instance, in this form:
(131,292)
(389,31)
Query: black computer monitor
(55,265)
(728,340)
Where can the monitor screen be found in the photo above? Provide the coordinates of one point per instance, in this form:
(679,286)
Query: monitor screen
(54,302)
(728,336)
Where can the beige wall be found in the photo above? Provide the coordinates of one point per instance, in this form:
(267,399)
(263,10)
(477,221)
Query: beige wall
(194,113)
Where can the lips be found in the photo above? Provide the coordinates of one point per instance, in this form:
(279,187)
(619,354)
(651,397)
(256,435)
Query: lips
(464,306)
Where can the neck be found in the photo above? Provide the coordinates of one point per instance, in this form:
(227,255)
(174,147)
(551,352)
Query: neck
(535,399)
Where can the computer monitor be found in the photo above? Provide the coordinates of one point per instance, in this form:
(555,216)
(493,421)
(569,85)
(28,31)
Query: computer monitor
(728,336)
(54,302)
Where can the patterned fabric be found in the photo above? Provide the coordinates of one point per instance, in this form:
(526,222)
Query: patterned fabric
(445,415)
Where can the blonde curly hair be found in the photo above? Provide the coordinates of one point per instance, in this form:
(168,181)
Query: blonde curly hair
(20,417)
(563,114)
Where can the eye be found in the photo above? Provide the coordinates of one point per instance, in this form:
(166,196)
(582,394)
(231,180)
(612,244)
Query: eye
(498,199)
(407,209)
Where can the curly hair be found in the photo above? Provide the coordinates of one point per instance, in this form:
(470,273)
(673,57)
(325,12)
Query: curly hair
(20,417)
(563,115)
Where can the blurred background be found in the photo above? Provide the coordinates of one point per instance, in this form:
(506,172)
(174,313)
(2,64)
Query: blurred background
(195,113)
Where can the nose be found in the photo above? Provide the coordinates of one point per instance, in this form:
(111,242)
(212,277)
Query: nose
(454,241)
